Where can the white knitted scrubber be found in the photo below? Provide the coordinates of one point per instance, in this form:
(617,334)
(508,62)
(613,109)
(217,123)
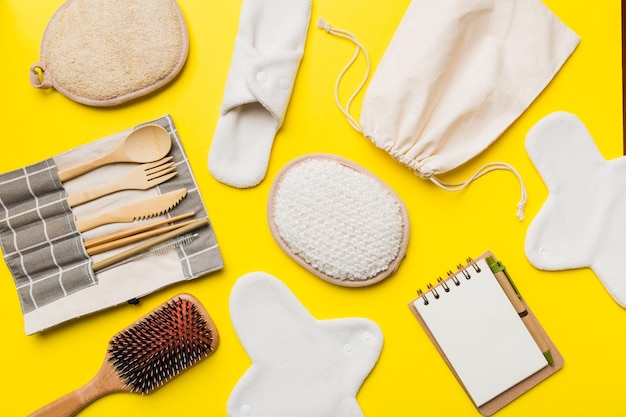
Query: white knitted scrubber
(106,52)
(338,220)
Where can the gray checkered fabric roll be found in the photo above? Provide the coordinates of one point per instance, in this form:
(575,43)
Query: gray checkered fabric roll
(45,252)
(40,243)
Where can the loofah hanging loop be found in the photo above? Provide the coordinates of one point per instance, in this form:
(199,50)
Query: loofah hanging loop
(39,78)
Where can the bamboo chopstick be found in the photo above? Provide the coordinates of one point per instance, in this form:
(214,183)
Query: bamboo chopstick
(94,250)
(139,229)
(97,266)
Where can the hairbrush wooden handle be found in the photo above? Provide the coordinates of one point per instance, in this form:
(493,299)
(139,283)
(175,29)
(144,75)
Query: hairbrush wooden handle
(105,382)
(146,354)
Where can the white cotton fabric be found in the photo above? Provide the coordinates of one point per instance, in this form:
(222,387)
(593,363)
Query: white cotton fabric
(267,54)
(583,220)
(301,366)
(456,74)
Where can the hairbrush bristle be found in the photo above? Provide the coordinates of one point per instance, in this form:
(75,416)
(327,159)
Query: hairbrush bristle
(161,345)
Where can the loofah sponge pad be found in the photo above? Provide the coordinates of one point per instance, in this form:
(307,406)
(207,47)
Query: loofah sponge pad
(338,220)
(107,52)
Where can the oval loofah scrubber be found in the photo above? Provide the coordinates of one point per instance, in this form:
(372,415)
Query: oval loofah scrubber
(107,52)
(338,220)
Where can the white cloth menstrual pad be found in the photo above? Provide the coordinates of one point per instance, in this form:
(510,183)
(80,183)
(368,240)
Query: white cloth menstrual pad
(583,221)
(268,49)
(301,366)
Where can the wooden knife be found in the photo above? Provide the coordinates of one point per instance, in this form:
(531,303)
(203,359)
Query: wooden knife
(141,210)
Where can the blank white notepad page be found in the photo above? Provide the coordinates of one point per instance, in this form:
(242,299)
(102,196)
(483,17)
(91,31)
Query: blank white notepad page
(481,334)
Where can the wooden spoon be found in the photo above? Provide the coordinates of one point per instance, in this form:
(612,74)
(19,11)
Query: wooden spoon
(147,143)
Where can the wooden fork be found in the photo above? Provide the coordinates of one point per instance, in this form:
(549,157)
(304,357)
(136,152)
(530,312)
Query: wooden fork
(140,178)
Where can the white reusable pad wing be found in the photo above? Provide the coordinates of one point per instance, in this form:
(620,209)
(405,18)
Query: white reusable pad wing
(301,366)
(583,220)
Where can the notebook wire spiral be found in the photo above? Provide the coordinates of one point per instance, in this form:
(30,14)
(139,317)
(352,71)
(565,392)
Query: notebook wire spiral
(464,270)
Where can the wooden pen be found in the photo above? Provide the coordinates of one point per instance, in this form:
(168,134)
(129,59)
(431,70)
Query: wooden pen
(516,299)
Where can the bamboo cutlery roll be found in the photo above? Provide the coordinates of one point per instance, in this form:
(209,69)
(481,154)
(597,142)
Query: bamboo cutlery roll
(52,225)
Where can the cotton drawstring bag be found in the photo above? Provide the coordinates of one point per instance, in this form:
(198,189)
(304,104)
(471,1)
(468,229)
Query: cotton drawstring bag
(455,75)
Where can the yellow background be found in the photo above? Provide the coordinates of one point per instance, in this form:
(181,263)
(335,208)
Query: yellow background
(410,379)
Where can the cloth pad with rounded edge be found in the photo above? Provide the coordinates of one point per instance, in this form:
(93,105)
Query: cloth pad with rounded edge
(300,366)
(105,53)
(265,61)
(338,220)
(583,221)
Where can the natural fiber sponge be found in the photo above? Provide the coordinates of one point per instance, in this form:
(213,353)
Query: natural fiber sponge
(338,220)
(107,52)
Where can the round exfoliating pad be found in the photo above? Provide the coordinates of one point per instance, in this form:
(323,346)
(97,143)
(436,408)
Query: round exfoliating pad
(338,220)
(107,52)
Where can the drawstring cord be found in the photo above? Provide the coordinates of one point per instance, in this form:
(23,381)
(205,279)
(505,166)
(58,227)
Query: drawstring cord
(453,187)
(321,23)
(485,169)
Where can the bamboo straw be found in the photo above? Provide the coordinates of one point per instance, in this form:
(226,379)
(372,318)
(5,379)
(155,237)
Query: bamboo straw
(123,233)
(94,250)
(97,266)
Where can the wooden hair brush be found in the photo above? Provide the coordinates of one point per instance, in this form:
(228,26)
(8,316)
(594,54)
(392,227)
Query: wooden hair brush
(146,355)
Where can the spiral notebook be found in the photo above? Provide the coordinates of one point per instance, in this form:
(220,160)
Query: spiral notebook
(494,354)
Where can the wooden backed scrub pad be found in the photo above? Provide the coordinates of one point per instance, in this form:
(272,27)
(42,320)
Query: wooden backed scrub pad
(338,220)
(107,52)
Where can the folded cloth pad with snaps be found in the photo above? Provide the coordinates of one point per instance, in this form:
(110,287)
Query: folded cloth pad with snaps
(338,220)
(268,50)
(104,53)
(45,251)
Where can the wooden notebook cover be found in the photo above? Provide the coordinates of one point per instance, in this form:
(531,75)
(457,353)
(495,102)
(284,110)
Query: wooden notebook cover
(517,390)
